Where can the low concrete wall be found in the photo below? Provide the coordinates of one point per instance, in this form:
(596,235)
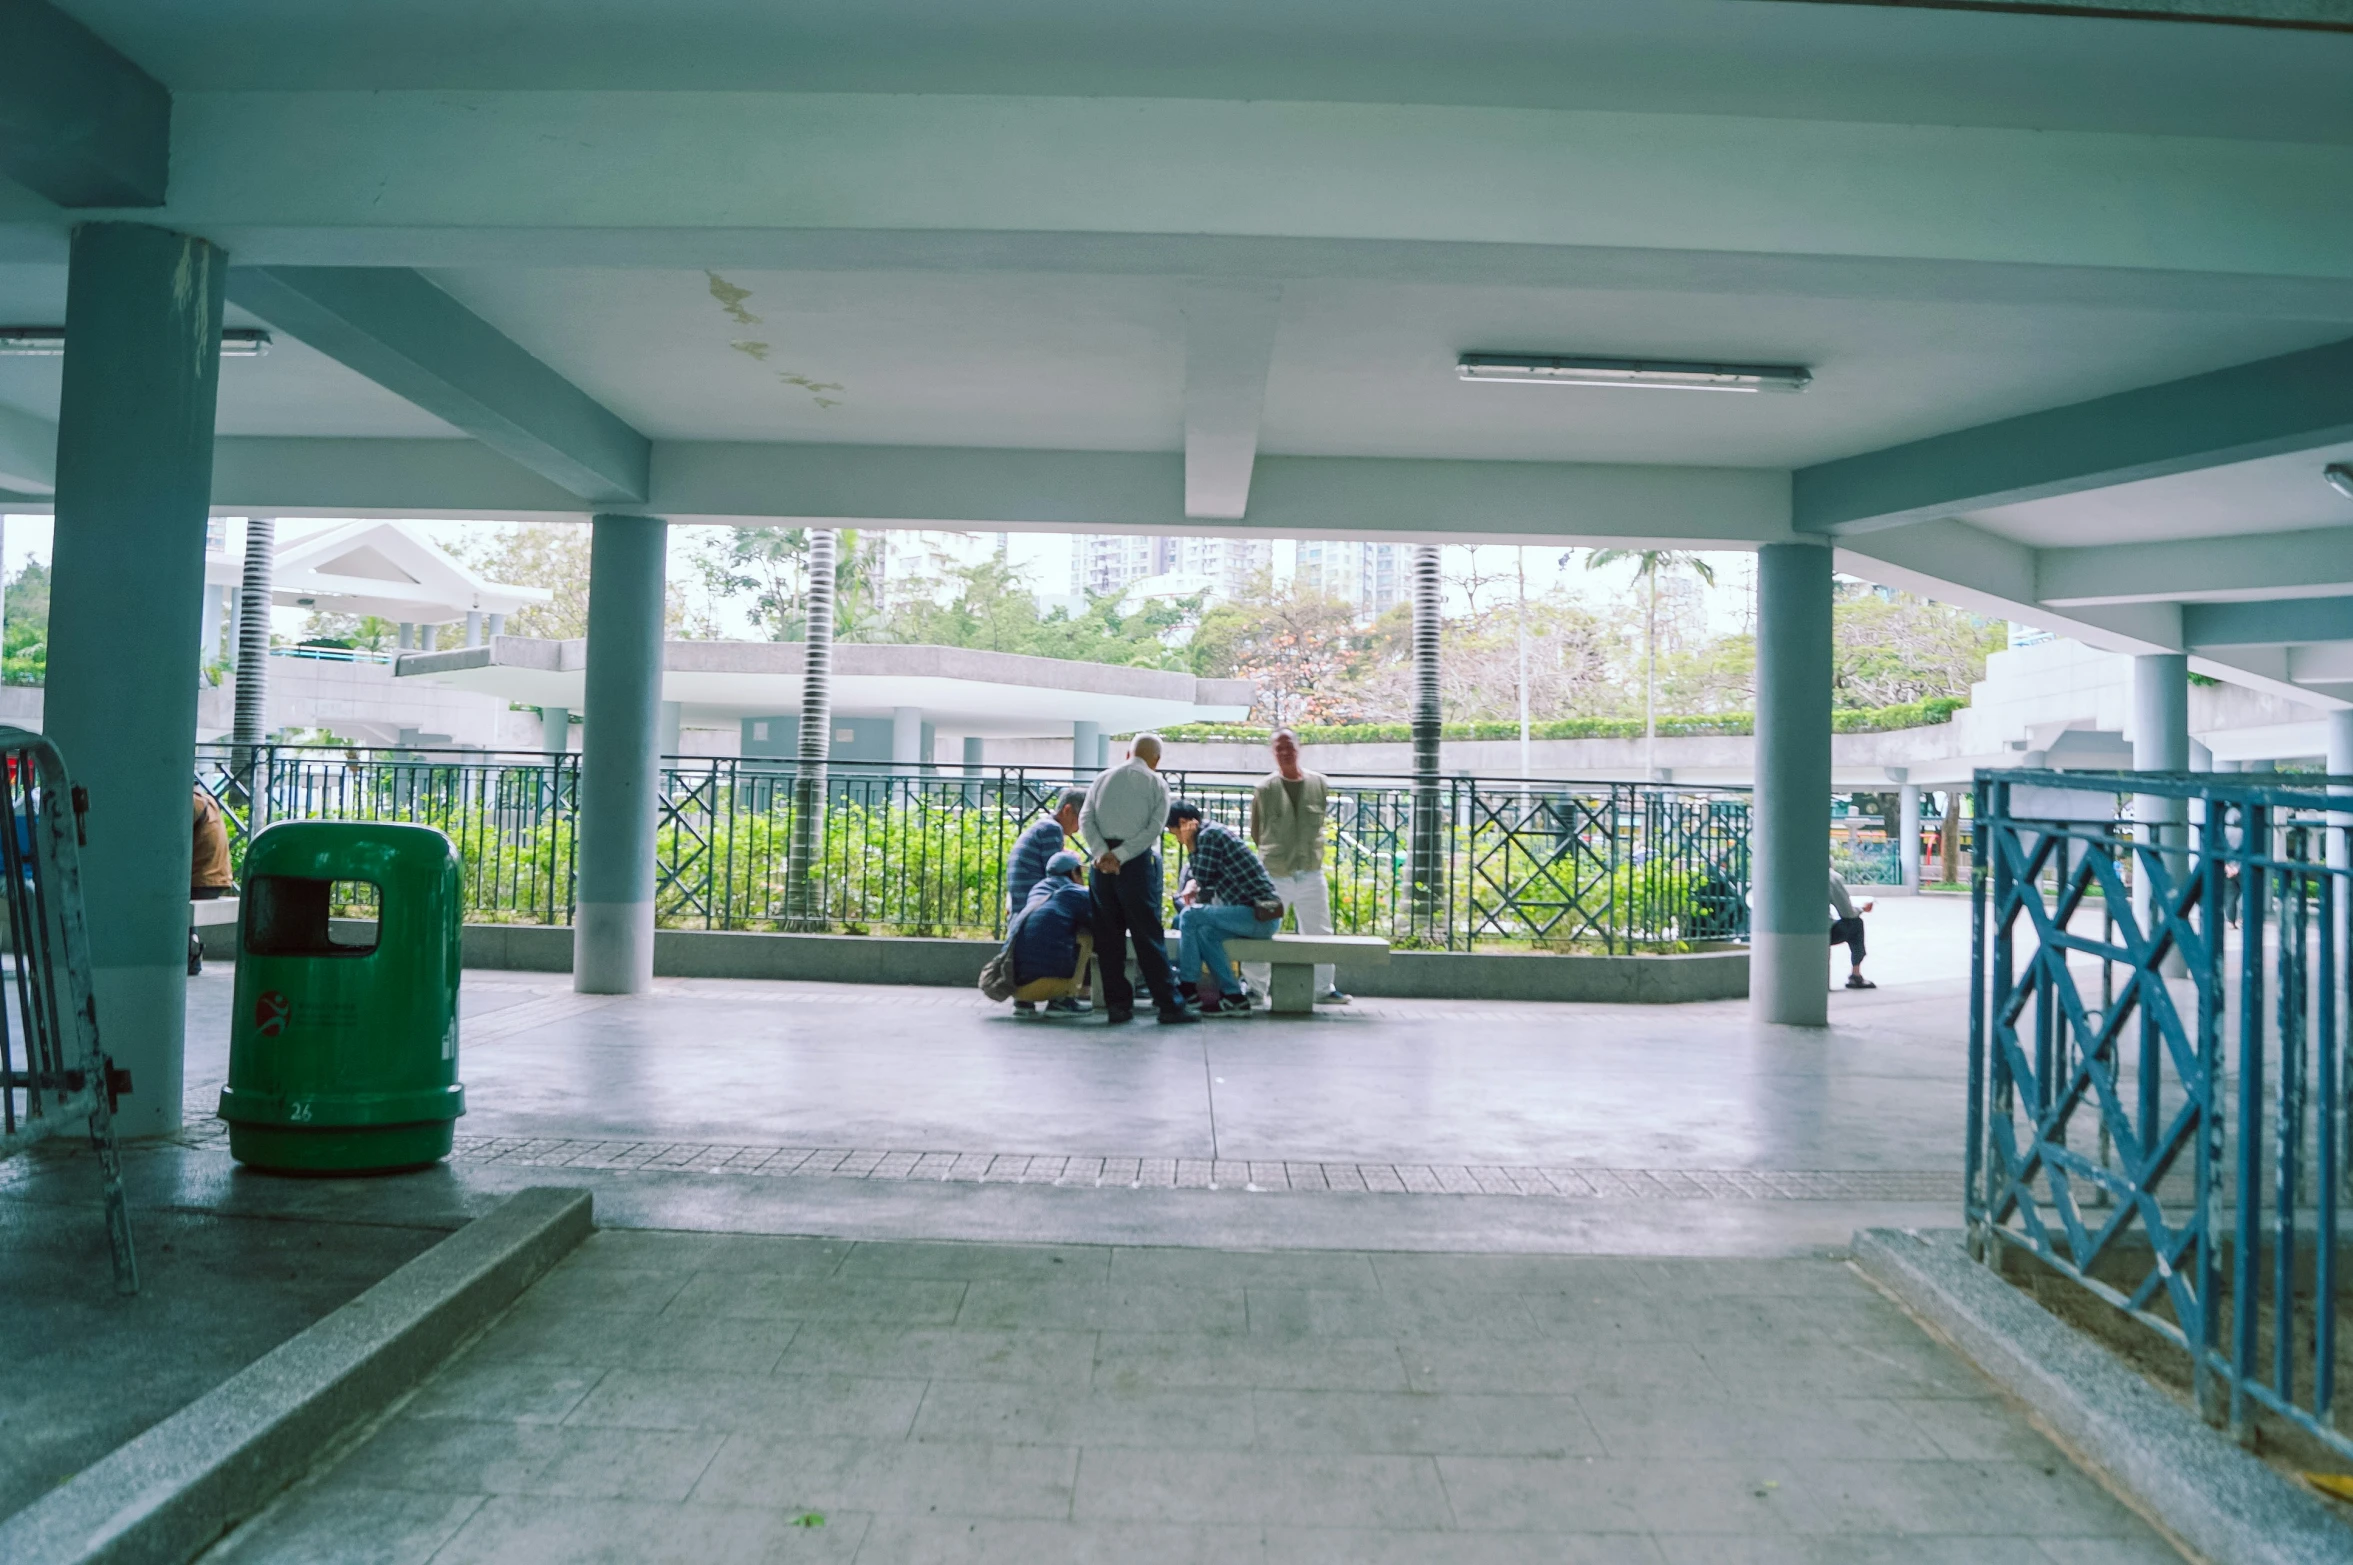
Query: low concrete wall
(956,964)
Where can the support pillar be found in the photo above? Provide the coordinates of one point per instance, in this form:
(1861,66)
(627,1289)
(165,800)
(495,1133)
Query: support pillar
(407,640)
(906,738)
(473,628)
(208,627)
(134,482)
(1789,925)
(2340,764)
(2160,743)
(494,626)
(673,726)
(555,729)
(613,929)
(1908,813)
(1086,746)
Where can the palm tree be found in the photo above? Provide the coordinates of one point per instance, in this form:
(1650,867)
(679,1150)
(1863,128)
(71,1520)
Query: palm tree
(1647,565)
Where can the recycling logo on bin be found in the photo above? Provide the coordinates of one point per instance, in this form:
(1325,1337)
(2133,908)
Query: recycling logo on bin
(271,1012)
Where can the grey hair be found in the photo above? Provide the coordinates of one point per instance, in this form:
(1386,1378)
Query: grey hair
(1291,734)
(1071,799)
(1144,742)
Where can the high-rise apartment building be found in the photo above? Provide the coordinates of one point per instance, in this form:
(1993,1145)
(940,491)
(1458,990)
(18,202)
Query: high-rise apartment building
(1106,563)
(1370,576)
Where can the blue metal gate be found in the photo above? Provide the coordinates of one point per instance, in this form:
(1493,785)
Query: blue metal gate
(2157,1062)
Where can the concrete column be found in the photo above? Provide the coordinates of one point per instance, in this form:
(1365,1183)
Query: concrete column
(2160,743)
(673,722)
(906,738)
(1789,923)
(1908,809)
(973,750)
(208,626)
(408,637)
(555,729)
(134,480)
(495,625)
(1086,746)
(473,627)
(613,930)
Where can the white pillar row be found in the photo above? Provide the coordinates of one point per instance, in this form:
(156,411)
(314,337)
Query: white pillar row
(1789,836)
(613,927)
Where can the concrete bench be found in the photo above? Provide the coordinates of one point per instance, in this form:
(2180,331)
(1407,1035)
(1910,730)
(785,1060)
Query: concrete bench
(1294,958)
(211,912)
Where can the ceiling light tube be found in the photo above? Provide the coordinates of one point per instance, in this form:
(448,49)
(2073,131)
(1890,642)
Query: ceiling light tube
(48,342)
(2340,477)
(1642,374)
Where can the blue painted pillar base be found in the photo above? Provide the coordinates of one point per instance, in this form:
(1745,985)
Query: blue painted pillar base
(134,485)
(613,919)
(1789,940)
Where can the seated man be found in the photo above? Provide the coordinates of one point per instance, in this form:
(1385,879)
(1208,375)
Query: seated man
(1054,936)
(1227,893)
(1846,927)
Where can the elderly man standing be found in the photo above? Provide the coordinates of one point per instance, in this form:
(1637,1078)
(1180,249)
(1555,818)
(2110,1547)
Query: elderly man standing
(1125,813)
(1287,824)
(1033,851)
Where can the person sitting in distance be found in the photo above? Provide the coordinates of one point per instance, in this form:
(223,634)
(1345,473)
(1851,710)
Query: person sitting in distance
(1026,868)
(1846,926)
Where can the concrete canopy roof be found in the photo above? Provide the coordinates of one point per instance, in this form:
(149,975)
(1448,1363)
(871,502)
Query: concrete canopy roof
(968,691)
(378,568)
(1205,268)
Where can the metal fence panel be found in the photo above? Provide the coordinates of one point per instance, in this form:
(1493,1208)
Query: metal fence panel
(2157,1066)
(1537,865)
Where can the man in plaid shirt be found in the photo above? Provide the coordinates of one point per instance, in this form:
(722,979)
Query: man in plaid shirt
(1227,894)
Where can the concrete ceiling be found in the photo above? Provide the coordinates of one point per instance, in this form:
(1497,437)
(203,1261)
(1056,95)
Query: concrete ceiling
(2068,284)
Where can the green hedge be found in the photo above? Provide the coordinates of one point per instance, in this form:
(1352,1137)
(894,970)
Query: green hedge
(1874,720)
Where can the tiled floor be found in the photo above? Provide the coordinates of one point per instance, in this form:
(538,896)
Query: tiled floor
(716,1398)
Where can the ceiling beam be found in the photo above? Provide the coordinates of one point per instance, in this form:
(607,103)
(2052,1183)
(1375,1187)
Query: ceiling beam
(2245,568)
(2295,402)
(1229,343)
(28,453)
(79,123)
(1973,569)
(408,336)
(2280,622)
(2332,16)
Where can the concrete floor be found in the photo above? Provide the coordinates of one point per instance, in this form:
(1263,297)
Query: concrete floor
(1667,1366)
(701,1398)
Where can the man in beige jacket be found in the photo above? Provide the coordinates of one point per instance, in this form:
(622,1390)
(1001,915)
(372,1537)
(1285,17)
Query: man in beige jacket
(1287,825)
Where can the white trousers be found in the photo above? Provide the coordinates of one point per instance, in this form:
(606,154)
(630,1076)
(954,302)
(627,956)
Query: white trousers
(1310,902)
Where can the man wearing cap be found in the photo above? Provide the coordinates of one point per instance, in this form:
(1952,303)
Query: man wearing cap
(1045,838)
(1053,936)
(1123,819)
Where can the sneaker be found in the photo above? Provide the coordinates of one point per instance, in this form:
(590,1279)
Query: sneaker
(1332,996)
(1179,1017)
(1858,981)
(1229,1005)
(1065,1007)
(1116,1018)
(1025,1009)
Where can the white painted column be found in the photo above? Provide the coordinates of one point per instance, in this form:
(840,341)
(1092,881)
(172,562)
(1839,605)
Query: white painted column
(2160,743)
(406,641)
(1908,811)
(473,628)
(673,723)
(555,729)
(494,625)
(613,929)
(906,738)
(1789,921)
(1086,744)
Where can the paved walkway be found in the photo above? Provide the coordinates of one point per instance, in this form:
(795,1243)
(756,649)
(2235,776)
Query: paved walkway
(709,1399)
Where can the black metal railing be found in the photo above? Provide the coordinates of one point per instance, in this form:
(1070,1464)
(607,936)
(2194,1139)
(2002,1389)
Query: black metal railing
(1538,865)
(2157,1063)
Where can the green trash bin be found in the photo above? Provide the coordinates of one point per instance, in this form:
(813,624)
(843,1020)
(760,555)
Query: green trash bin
(343,1046)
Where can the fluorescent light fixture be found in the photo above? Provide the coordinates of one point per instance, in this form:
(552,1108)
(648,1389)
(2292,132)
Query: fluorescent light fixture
(2340,477)
(1645,374)
(48,342)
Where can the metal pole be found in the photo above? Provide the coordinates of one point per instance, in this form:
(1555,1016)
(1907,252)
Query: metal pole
(804,907)
(1908,821)
(1525,768)
(1789,947)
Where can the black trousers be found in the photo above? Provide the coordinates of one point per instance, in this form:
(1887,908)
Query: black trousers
(1850,932)
(1127,907)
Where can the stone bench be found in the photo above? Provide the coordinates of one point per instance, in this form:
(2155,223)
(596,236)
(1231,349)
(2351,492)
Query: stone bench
(211,912)
(1294,958)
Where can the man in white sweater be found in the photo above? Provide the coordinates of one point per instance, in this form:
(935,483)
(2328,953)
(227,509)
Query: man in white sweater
(1123,819)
